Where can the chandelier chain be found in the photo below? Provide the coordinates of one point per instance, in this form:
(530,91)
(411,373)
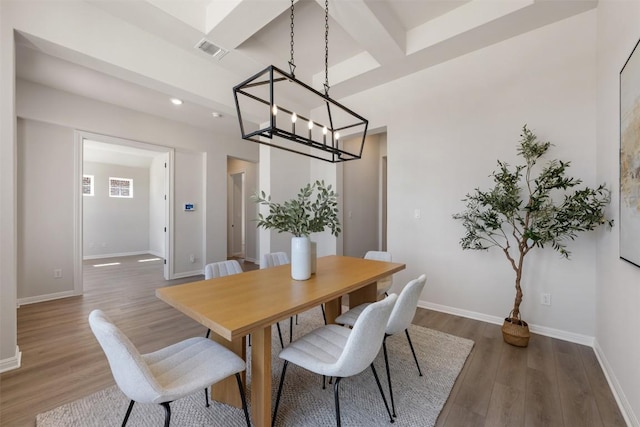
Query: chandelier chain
(326,47)
(292,63)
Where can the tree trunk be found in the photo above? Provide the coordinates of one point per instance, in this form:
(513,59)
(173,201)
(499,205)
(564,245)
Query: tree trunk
(516,304)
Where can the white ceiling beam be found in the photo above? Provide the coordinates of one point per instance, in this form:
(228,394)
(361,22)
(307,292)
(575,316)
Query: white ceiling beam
(372,25)
(463,19)
(229,27)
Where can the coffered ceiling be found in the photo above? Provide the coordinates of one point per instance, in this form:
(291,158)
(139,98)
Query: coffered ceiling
(371,42)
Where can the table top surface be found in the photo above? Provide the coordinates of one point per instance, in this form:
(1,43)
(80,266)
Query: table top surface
(233,306)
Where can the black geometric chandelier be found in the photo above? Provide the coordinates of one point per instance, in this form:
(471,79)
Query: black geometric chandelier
(318,133)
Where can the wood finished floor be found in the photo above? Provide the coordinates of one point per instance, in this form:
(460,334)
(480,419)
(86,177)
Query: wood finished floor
(550,383)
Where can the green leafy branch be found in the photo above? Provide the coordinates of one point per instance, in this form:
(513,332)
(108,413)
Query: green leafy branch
(302,215)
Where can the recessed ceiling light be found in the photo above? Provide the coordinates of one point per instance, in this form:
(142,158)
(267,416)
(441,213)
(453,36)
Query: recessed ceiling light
(216,114)
(176,101)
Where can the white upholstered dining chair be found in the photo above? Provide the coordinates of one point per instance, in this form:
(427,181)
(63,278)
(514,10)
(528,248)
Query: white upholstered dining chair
(167,374)
(399,321)
(340,352)
(222,268)
(383,284)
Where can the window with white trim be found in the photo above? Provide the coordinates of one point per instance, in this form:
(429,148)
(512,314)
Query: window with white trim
(87,185)
(121,187)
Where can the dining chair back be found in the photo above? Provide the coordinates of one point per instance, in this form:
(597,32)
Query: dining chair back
(385,283)
(274,259)
(221,269)
(167,374)
(399,320)
(336,351)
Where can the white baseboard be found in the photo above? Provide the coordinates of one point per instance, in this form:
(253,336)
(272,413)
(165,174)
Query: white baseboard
(158,254)
(116,255)
(251,260)
(47,297)
(188,274)
(11,363)
(541,330)
(621,399)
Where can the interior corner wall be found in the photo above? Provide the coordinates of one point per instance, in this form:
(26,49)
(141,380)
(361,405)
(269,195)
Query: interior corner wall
(9,354)
(360,190)
(618,282)
(446,128)
(116,226)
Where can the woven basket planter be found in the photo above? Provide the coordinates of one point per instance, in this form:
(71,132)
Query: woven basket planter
(515,332)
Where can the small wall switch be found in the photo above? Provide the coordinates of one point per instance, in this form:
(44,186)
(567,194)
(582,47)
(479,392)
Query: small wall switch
(416,213)
(192,258)
(546,299)
(57,273)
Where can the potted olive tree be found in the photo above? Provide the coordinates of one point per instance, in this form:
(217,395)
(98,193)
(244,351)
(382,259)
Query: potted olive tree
(313,210)
(530,207)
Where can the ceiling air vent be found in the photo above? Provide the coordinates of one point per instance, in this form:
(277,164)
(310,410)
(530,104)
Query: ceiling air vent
(211,49)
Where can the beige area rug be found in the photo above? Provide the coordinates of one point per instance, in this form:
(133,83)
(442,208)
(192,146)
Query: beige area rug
(419,400)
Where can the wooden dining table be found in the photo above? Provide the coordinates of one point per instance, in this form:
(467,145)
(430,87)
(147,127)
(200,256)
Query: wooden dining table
(249,303)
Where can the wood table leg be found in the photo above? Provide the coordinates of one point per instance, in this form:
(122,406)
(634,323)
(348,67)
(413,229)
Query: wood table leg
(261,377)
(226,391)
(332,309)
(365,294)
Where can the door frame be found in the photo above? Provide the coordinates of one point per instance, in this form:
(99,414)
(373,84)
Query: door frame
(232,208)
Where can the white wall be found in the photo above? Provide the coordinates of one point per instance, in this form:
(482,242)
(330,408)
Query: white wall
(447,126)
(618,282)
(188,226)
(46,188)
(115,226)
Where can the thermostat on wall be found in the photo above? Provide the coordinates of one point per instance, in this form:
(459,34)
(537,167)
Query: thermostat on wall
(189,207)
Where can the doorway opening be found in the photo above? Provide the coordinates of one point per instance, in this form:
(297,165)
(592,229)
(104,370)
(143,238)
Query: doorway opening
(124,201)
(242,234)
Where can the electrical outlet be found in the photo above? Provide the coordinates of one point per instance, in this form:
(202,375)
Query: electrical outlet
(546,299)
(57,273)
(192,258)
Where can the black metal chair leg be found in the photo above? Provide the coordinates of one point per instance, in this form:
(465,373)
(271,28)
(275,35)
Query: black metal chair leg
(244,399)
(324,382)
(206,397)
(386,405)
(386,363)
(324,316)
(208,333)
(167,412)
(413,351)
(280,335)
(126,416)
(336,395)
(275,410)
(290,329)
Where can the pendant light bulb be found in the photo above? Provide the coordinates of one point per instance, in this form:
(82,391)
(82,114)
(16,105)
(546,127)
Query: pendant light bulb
(274,110)
(294,117)
(324,130)
(310,125)
(337,136)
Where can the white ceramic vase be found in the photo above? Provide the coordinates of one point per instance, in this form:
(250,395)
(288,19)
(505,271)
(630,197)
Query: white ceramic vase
(300,258)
